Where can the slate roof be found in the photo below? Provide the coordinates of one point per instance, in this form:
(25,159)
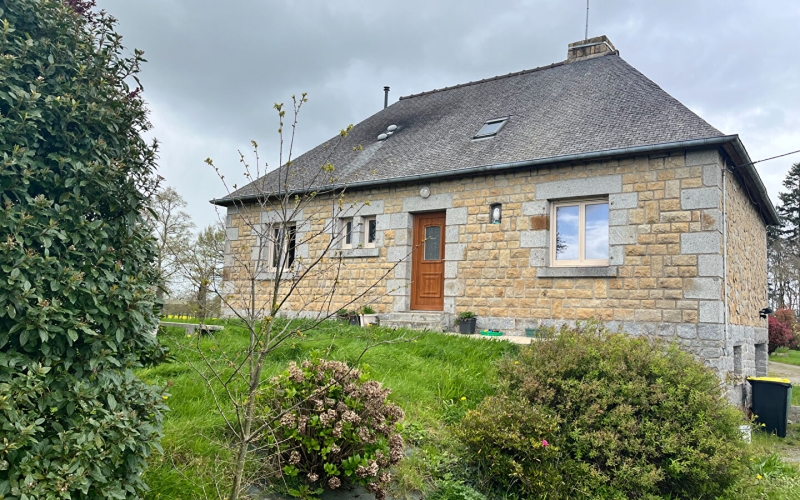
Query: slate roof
(563,109)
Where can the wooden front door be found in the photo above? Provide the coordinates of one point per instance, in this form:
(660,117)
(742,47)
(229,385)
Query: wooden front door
(427,262)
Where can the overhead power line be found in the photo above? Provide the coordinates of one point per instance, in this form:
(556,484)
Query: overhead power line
(771,158)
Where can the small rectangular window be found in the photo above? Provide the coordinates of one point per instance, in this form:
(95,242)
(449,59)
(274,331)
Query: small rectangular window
(347,233)
(491,127)
(282,247)
(579,233)
(433,243)
(371,225)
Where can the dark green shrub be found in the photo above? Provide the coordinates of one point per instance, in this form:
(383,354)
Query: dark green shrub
(643,419)
(330,424)
(515,447)
(76,294)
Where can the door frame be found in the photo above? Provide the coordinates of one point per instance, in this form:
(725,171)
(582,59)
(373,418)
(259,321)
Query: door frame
(417,259)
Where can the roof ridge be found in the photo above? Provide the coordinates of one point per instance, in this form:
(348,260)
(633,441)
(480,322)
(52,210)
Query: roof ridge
(499,77)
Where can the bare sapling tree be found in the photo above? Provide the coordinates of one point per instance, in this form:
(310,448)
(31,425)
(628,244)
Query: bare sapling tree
(285,259)
(202,266)
(172,230)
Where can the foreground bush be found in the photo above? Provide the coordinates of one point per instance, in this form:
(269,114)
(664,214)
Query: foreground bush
(515,444)
(329,424)
(76,294)
(636,420)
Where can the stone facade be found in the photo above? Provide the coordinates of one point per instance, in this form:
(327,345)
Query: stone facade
(746,288)
(679,267)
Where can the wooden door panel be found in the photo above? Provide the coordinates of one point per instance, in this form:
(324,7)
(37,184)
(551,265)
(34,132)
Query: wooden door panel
(427,262)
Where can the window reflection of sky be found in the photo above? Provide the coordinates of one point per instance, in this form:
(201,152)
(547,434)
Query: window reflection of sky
(567,237)
(597,231)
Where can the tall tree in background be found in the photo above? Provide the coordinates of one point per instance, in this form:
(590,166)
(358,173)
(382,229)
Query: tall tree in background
(784,245)
(77,301)
(203,266)
(789,208)
(172,229)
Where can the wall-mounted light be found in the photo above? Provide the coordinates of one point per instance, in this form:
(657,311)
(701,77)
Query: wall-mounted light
(764,312)
(495,213)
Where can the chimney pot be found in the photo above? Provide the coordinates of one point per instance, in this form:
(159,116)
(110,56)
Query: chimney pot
(385,97)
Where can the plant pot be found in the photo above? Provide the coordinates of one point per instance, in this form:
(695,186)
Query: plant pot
(369,319)
(467,326)
(746,431)
(531,332)
(355,321)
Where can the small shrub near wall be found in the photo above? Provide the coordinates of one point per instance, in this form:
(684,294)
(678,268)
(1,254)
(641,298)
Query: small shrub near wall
(329,425)
(625,419)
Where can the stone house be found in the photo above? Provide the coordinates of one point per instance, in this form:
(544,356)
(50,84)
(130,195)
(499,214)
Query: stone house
(575,190)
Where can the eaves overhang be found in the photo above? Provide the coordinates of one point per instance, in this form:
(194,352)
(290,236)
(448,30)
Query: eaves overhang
(731,144)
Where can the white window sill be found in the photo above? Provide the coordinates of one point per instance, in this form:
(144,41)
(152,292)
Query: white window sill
(350,253)
(577,272)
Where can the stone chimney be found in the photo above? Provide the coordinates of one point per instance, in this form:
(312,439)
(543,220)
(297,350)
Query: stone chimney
(587,49)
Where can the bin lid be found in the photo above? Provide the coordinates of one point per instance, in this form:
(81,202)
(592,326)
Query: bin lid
(770,380)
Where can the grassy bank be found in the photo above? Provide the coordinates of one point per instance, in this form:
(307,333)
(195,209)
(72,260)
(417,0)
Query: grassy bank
(435,378)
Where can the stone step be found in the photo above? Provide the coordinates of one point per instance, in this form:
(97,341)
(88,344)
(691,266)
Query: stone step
(417,316)
(413,325)
(421,320)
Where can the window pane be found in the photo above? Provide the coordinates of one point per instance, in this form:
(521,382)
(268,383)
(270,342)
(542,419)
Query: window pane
(567,232)
(348,232)
(276,247)
(597,231)
(490,128)
(292,245)
(372,230)
(432,243)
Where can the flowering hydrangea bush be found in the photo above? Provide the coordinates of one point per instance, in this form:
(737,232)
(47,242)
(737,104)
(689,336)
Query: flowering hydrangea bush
(331,424)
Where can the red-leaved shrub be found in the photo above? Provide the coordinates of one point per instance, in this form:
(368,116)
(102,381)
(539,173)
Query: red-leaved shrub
(780,334)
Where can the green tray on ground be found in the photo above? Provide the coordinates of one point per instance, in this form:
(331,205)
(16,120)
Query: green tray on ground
(491,333)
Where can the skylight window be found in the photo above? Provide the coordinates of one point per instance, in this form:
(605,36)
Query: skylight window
(490,128)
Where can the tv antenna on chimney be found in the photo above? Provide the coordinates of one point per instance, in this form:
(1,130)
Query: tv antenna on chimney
(586,36)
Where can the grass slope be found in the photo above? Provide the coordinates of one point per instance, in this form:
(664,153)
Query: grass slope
(429,374)
(435,378)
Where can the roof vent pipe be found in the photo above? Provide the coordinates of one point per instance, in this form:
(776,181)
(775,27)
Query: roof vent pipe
(385,97)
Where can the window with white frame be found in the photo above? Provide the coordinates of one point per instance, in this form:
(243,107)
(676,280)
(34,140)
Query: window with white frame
(579,233)
(347,233)
(282,247)
(370,232)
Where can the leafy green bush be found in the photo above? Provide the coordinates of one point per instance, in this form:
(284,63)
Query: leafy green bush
(637,419)
(329,424)
(515,446)
(76,297)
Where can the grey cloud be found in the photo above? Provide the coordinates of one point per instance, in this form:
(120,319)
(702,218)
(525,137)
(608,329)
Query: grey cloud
(216,67)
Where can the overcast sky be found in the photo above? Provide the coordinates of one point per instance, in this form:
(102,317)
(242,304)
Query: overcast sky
(216,67)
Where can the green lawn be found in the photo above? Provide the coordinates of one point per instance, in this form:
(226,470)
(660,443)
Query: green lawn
(428,373)
(791,358)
